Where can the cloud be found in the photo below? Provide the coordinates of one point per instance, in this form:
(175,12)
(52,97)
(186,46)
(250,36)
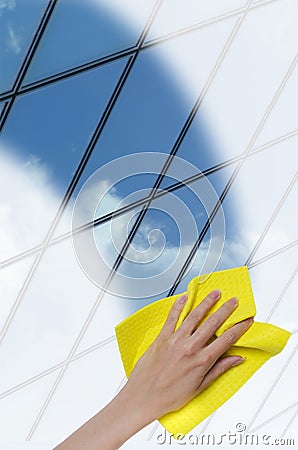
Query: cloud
(61,296)
(7,5)
(13,40)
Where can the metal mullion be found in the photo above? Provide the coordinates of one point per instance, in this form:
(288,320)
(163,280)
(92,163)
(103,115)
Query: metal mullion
(291,421)
(282,294)
(160,40)
(77,70)
(275,253)
(271,220)
(28,58)
(3,111)
(272,387)
(205,229)
(276,416)
(54,368)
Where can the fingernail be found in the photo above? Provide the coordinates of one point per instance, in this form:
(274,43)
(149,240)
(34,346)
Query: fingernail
(183,299)
(249,320)
(215,294)
(234,301)
(238,361)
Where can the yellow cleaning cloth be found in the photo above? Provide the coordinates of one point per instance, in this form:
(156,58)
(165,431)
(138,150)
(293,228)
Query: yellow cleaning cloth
(136,333)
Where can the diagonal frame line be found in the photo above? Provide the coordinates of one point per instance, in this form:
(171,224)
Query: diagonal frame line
(27,60)
(79,172)
(273,386)
(276,416)
(54,368)
(289,423)
(272,218)
(273,254)
(121,384)
(118,212)
(3,111)
(127,52)
(153,431)
(139,220)
(282,294)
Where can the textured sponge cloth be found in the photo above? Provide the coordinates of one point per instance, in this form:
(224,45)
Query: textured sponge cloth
(136,333)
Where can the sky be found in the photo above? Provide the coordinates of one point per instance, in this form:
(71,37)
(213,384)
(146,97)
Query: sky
(239,69)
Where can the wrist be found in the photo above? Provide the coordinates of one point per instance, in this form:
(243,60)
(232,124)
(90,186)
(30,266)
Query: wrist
(138,408)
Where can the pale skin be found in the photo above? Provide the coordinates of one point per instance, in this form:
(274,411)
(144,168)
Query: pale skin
(175,368)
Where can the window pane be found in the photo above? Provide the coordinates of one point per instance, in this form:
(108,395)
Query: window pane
(167,235)
(82,31)
(281,312)
(48,131)
(256,199)
(18,22)
(246,405)
(11,279)
(153,106)
(241,93)
(88,385)
(283,230)
(19,409)
(175,15)
(283,118)
(112,310)
(48,320)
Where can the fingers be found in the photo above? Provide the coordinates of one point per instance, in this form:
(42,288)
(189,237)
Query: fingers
(220,367)
(173,316)
(211,325)
(195,317)
(228,338)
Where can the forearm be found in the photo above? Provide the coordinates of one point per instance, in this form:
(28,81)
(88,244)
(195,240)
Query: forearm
(178,365)
(112,426)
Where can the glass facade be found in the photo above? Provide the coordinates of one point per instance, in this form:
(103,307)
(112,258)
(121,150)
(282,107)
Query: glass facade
(86,85)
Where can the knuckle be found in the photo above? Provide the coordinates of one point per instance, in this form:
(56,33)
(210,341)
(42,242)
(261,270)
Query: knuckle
(222,368)
(205,358)
(229,337)
(213,321)
(173,342)
(188,349)
(193,315)
(171,318)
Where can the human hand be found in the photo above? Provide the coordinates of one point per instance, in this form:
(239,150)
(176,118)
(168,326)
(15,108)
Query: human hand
(175,368)
(180,364)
